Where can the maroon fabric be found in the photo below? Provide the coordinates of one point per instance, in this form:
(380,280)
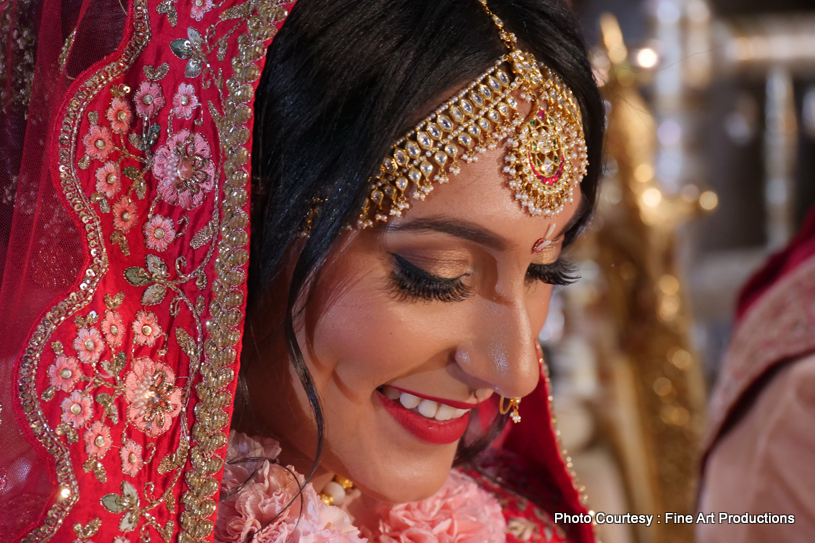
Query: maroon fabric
(779,265)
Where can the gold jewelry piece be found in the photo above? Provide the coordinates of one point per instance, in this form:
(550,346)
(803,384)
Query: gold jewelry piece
(335,492)
(546,149)
(514,403)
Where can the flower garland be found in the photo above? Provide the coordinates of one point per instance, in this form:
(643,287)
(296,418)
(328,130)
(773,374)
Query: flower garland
(254,502)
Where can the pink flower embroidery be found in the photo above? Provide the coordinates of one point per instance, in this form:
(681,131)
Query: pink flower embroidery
(107,179)
(89,345)
(120,539)
(149,99)
(131,456)
(152,396)
(199,8)
(98,142)
(159,232)
(97,440)
(185,100)
(64,372)
(77,409)
(113,328)
(145,328)
(119,115)
(124,214)
(185,169)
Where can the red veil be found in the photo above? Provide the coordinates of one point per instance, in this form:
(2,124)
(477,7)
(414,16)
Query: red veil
(124,226)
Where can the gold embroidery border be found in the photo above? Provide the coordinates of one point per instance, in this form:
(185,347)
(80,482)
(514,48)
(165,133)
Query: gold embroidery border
(68,490)
(210,431)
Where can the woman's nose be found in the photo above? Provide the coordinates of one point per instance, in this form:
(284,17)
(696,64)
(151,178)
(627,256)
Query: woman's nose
(500,353)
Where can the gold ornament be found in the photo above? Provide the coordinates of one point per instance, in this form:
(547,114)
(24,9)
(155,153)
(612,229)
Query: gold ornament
(546,149)
(514,404)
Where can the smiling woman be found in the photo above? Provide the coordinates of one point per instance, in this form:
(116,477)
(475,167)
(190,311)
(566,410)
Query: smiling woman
(411,172)
(402,336)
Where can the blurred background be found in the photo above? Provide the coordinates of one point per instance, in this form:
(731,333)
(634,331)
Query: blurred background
(709,168)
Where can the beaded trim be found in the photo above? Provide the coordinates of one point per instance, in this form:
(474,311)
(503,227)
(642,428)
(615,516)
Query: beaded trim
(68,490)
(546,156)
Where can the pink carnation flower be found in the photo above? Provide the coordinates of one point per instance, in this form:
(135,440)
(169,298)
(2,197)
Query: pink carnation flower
(146,329)
(264,497)
(185,100)
(64,372)
(97,440)
(148,99)
(89,345)
(107,179)
(153,399)
(124,214)
(159,232)
(185,169)
(131,455)
(98,142)
(113,328)
(77,409)
(199,8)
(461,512)
(119,115)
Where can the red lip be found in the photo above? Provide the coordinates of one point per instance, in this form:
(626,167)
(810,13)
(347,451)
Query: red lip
(451,403)
(433,431)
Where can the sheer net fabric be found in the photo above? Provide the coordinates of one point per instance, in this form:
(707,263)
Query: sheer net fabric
(46,44)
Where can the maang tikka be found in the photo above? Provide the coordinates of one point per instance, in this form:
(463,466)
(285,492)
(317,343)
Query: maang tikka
(546,149)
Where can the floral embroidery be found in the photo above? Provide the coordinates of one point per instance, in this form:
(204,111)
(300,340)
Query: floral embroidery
(97,440)
(159,232)
(77,409)
(120,539)
(185,100)
(119,115)
(146,329)
(64,372)
(108,181)
(124,214)
(98,142)
(131,456)
(113,328)
(89,344)
(199,8)
(149,99)
(185,169)
(152,396)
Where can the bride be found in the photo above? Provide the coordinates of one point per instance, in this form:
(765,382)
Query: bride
(416,169)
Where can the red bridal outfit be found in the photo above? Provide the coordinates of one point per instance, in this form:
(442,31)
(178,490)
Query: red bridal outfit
(760,449)
(124,227)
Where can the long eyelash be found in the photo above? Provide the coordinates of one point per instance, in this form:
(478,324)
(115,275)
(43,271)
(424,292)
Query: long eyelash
(561,272)
(413,283)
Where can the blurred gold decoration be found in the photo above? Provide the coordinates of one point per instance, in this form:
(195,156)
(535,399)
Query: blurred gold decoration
(654,380)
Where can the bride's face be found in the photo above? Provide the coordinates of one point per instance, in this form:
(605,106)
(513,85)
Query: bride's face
(443,303)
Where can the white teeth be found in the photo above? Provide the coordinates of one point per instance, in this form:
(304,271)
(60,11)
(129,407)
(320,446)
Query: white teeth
(409,400)
(391,393)
(428,408)
(445,412)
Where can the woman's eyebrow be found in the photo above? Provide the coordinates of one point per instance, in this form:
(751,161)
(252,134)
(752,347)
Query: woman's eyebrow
(454,227)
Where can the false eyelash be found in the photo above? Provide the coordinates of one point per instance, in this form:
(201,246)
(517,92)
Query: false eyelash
(411,282)
(560,272)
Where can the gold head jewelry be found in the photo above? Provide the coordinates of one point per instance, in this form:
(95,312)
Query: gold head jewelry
(514,404)
(546,149)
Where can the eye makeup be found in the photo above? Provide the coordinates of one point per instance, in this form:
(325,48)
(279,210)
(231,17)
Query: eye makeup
(409,282)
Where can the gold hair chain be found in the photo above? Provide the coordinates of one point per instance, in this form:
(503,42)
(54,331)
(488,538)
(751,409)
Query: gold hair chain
(546,149)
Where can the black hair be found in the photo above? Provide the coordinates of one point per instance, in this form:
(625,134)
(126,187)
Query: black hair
(343,80)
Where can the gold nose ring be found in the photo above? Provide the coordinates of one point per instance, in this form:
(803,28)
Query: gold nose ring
(512,406)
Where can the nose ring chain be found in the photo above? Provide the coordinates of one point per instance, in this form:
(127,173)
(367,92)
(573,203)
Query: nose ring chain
(514,403)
